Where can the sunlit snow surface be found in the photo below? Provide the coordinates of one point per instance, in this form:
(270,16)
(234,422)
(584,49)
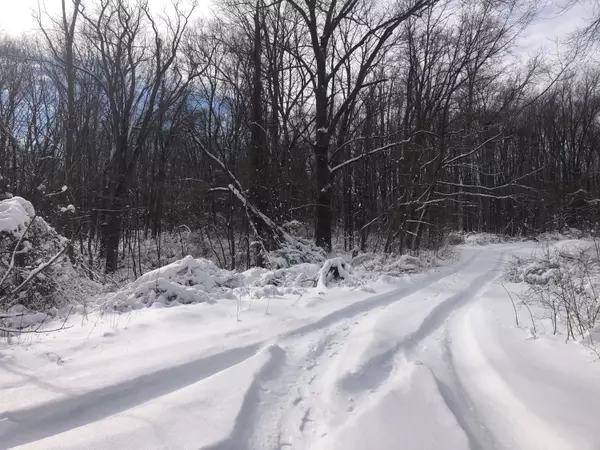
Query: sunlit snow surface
(434,361)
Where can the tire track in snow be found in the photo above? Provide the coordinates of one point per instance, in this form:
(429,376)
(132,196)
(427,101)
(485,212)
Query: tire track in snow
(383,366)
(379,367)
(246,418)
(458,402)
(509,415)
(286,406)
(381,300)
(289,408)
(29,425)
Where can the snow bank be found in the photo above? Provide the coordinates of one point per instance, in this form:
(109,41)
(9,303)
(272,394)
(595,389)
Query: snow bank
(549,264)
(565,234)
(191,280)
(185,281)
(481,239)
(35,274)
(199,280)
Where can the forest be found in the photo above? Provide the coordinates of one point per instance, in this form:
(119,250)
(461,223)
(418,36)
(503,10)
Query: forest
(364,125)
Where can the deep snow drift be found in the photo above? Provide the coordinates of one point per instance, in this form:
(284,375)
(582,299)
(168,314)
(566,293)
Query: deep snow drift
(433,361)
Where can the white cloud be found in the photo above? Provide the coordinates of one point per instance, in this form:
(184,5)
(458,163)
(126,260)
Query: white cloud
(554,26)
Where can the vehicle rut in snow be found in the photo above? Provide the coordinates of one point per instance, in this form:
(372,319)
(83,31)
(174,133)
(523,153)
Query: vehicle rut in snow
(294,405)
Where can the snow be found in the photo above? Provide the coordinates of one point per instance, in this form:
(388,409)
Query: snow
(485,238)
(15,215)
(534,393)
(333,268)
(188,280)
(198,280)
(386,420)
(68,208)
(433,360)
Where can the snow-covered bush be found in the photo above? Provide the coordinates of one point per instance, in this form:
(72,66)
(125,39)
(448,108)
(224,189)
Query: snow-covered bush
(299,275)
(27,243)
(455,238)
(191,280)
(185,281)
(297,252)
(199,280)
(487,238)
(565,283)
(15,215)
(296,228)
(567,233)
(35,274)
(393,265)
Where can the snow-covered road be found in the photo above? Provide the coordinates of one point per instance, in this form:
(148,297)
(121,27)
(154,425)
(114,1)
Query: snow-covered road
(434,363)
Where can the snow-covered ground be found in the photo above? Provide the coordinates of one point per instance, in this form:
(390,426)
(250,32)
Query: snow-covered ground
(434,361)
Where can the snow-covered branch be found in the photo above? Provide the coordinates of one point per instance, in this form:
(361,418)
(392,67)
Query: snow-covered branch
(34,273)
(366,154)
(471,152)
(11,265)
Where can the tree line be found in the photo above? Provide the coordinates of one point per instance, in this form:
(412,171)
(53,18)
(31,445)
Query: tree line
(379,125)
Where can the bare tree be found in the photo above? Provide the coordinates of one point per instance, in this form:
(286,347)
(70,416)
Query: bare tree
(372,28)
(133,62)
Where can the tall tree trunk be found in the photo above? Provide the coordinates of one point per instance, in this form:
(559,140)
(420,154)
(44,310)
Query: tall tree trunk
(259,192)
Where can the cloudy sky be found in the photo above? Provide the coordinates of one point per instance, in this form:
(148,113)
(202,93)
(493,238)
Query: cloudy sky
(554,23)
(16,15)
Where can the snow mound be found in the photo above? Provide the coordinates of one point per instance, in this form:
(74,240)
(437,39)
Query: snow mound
(563,281)
(199,280)
(185,281)
(297,276)
(191,280)
(15,214)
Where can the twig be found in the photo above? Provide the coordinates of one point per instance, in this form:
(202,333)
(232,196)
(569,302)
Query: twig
(12,259)
(35,273)
(514,306)
(531,316)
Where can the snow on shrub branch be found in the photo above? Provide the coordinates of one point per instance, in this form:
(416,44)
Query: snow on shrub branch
(15,215)
(563,281)
(35,276)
